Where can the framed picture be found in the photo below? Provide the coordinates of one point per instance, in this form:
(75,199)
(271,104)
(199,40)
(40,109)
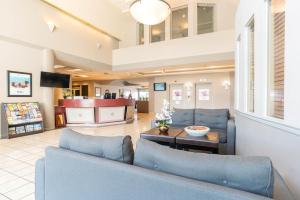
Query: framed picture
(97,91)
(19,84)
(177,95)
(204,94)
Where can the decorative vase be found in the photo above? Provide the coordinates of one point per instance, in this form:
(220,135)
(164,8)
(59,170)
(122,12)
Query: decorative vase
(163,129)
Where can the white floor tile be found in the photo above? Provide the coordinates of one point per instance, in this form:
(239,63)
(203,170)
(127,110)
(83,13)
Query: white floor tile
(21,192)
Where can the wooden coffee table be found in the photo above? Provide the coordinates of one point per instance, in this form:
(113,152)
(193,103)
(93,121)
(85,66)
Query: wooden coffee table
(209,142)
(165,139)
(178,138)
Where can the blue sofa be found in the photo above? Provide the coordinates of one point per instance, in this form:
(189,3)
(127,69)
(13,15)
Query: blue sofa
(216,119)
(90,168)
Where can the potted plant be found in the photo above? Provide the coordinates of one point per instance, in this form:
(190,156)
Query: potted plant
(66,93)
(164,118)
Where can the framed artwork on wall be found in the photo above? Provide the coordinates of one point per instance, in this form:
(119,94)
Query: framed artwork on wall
(19,84)
(204,94)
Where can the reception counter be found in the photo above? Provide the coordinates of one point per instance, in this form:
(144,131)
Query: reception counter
(95,112)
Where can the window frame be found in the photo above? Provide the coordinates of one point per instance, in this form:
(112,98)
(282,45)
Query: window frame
(213,5)
(239,54)
(171,20)
(248,63)
(150,33)
(271,64)
(138,33)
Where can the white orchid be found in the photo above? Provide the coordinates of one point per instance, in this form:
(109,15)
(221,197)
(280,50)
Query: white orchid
(164,118)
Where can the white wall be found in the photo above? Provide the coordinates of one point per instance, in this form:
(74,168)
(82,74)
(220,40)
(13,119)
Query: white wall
(20,58)
(26,21)
(222,97)
(224,19)
(24,34)
(258,134)
(102,14)
(212,47)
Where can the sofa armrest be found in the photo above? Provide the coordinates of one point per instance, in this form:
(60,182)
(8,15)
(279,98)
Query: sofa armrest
(281,191)
(40,179)
(231,137)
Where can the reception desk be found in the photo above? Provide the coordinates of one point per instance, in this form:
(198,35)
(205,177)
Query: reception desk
(96,112)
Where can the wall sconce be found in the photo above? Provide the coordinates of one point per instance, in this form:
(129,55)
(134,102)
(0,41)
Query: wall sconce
(226,84)
(189,86)
(51,26)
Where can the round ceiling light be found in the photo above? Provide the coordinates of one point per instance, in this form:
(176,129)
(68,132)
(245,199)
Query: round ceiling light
(150,12)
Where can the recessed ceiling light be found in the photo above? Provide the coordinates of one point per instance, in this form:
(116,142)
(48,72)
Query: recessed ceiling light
(83,76)
(74,70)
(58,66)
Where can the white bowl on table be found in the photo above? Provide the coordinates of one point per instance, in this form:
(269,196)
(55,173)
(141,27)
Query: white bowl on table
(197,131)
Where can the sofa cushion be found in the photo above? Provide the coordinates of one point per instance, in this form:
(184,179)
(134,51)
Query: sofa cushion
(213,118)
(183,117)
(251,174)
(118,148)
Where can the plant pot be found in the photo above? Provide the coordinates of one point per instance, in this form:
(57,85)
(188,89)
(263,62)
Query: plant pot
(163,129)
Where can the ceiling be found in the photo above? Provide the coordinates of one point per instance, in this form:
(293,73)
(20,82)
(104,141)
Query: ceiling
(81,74)
(124,5)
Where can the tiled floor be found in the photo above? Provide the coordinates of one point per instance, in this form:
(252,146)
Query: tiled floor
(18,156)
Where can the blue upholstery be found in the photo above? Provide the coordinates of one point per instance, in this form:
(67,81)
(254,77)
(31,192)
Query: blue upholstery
(40,179)
(251,174)
(74,176)
(183,117)
(69,175)
(114,148)
(217,119)
(222,134)
(213,118)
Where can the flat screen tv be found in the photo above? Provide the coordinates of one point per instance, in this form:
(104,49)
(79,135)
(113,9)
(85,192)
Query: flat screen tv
(55,80)
(160,86)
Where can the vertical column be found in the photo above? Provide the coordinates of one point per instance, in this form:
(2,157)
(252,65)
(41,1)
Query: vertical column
(192,18)
(48,93)
(146,34)
(168,28)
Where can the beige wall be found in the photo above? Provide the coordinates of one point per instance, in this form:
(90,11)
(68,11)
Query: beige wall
(26,21)
(21,58)
(24,34)
(222,97)
(224,19)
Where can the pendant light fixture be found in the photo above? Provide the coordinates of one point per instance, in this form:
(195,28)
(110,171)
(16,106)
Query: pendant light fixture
(150,12)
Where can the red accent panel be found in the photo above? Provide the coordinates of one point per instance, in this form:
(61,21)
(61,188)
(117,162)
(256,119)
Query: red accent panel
(88,103)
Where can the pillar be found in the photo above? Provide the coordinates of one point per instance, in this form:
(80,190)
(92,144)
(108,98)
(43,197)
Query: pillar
(48,93)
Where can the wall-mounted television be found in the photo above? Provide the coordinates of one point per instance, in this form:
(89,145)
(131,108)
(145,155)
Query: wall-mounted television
(160,86)
(55,80)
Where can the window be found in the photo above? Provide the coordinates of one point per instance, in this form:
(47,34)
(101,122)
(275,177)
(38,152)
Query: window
(140,33)
(157,32)
(276,58)
(143,94)
(205,18)
(250,95)
(179,23)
